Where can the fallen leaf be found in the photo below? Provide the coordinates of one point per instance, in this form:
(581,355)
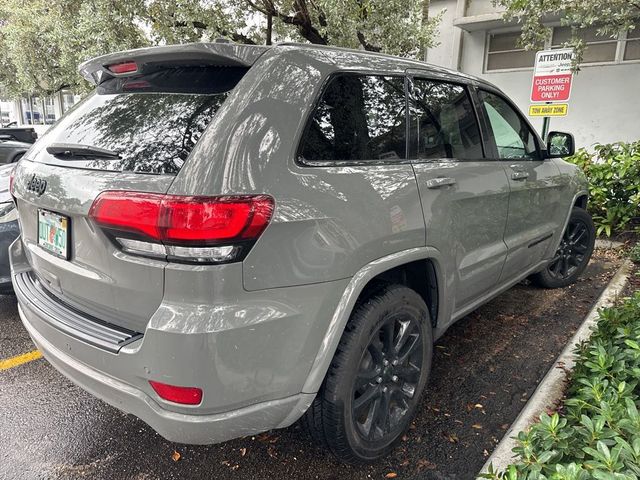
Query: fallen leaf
(243,452)
(405,438)
(266,438)
(452,437)
(477,426)
(425,464)
(405,462)
(175,456)
(391,475)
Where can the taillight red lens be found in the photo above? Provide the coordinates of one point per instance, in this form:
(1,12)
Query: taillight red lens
(172,393)
(128,211)
(195,219)
(124,67)
(187,221)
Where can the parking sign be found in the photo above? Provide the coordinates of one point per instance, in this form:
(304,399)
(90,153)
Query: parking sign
(552,76)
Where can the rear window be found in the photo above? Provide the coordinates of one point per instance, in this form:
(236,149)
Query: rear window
(152,121)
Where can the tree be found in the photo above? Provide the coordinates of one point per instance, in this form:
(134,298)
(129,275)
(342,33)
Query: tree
(43,41)
(610,17)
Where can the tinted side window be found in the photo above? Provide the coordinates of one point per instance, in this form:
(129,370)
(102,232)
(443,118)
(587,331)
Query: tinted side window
(359,117)
(443,123)
(513,137)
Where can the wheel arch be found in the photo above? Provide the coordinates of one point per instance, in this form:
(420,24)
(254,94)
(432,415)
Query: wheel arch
(419,275)
(581,201)
(407,268)
(17,156)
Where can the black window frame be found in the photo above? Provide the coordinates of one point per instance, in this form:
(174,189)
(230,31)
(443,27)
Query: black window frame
(480,121)
(491,141)
(304,162)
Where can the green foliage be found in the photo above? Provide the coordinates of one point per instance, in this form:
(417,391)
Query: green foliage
(634,253)
(614,184)
(43,41)
(598,434)
(609,17)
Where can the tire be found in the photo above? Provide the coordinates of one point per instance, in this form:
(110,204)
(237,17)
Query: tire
(365,376)
(573,254)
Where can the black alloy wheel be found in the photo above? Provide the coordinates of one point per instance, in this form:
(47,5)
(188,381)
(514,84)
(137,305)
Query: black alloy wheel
(387,378)
(573,254)
(372,389)
(573,249)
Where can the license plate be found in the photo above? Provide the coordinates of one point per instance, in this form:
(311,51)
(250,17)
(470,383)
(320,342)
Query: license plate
(53,233)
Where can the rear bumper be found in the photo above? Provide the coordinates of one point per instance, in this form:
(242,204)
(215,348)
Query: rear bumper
(176,427)
(251,355)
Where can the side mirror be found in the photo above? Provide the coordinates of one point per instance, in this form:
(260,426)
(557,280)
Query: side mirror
(560,144)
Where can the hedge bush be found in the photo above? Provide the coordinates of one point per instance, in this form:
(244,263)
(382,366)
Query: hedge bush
(597,435)
(614,184)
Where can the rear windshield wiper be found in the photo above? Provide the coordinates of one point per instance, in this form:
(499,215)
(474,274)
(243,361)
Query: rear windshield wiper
(70,151)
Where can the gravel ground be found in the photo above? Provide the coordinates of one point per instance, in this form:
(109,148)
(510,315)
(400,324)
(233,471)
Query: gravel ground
(486,367)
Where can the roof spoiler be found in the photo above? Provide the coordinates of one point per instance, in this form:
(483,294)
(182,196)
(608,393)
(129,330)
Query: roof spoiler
(211,54)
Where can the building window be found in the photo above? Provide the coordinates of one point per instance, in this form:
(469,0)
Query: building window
(632,44)
(503,52)
(598,48)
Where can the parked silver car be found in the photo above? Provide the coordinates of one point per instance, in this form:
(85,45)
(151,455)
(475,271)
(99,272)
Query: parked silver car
(224,238)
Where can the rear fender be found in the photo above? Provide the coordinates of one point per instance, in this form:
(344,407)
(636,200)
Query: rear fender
(350,296)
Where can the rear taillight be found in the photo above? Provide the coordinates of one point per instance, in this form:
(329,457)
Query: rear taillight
(195,229)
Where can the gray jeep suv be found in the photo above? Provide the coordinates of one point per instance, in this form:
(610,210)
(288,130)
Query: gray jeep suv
(224,238)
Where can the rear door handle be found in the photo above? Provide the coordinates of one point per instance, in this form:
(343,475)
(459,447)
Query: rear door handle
(440,182)
(519,175)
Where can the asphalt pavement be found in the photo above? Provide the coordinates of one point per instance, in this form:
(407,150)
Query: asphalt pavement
(485,368)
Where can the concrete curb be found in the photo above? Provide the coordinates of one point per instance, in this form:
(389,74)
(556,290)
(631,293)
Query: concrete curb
(550,390)
(602,244)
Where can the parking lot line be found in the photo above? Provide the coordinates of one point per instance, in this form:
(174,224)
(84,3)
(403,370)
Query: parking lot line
(19,360)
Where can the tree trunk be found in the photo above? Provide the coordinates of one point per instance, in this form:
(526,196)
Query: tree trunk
(269,28)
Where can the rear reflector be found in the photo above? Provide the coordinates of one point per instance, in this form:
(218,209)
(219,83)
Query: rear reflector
(121,68)
(201,229)
(183,395)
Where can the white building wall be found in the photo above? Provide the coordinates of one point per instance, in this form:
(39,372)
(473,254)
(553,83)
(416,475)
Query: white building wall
(443,54)
(605,99)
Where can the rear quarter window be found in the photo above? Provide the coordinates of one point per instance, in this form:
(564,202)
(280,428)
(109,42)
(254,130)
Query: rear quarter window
(358,118)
